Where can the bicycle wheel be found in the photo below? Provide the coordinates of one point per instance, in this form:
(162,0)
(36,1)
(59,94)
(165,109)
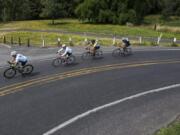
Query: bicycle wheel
(129,50)
(71,59)
(117,53)
(27,69)
(99,53)
(86,56)
(9,73)
(56,62)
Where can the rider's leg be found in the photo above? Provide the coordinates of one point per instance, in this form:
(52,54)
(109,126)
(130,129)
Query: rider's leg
(124,49)
(68,55)
(22,64)
(94,51)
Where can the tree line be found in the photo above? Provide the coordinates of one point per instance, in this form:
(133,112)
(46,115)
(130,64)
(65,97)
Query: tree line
(94,11)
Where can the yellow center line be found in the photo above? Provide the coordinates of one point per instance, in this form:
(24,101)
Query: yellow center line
(78,73)
(48,76)
(69,72)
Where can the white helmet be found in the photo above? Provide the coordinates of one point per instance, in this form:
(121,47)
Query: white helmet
(63,46)
(13,53)
(126,39)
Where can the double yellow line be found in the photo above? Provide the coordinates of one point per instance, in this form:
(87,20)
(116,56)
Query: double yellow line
(85,71)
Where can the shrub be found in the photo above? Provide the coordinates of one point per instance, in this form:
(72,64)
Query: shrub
(174,44)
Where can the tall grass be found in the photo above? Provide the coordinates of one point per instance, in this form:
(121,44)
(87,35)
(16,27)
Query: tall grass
(73,25)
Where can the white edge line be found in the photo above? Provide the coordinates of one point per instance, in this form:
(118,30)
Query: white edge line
(83,115)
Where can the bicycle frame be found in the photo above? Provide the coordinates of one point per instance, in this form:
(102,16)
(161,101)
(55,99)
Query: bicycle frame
(15,67)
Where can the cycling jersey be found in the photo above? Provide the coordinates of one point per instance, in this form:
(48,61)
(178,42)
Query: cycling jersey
(20,58)
(127,43)
(68,50)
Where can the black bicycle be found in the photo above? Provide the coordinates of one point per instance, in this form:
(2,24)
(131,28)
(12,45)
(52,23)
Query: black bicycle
(10,72)
(122,52)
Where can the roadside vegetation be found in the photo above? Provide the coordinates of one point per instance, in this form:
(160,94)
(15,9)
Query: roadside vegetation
(73,25)
(51,39)
(173,129)
(91,11)
(136,18)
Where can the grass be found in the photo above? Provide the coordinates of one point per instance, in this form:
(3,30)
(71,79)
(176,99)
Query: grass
(73,25)
(51,39)
(172,25)
(173,129)
(157,19)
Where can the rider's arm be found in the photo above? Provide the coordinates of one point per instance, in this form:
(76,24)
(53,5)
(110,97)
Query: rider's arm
(13,60)
(60,50)
(95,44)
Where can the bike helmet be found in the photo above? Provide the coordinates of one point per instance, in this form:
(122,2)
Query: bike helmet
(125,39)
(13,53)
(63,46)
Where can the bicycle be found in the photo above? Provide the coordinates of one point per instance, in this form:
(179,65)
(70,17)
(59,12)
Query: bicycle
(63,60)
(122,52)
(89,54)
(10,72)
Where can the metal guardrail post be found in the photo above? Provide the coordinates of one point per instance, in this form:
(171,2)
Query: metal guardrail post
(71,42)
(4,39)
(59,42)
(12,41)
(19,41)
(140,40)
(28,42)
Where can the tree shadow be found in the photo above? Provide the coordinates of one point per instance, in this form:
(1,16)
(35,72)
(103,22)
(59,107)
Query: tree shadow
(59,23)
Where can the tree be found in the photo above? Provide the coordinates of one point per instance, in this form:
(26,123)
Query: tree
(51,9)
(94,11)
(171,8)
(35,7)
(110,11)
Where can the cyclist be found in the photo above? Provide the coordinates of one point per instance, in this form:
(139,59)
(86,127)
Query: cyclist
(95,46)
(18,58)
(65,51)
(126,43)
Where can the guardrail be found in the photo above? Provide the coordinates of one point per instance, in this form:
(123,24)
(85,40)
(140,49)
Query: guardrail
(138,39)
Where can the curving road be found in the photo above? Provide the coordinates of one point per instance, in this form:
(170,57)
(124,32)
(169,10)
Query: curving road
(134,95)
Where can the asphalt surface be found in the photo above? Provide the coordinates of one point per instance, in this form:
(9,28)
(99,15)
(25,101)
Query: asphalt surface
(36,109)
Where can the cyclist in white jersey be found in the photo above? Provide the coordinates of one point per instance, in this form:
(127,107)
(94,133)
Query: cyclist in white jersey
(18,58)
(66,51)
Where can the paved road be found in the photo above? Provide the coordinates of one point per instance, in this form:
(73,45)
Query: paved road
(51,96)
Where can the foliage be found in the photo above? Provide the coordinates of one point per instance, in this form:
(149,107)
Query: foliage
(173,129)
(93,11)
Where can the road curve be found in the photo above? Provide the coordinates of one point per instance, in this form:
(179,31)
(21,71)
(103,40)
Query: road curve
(51,96)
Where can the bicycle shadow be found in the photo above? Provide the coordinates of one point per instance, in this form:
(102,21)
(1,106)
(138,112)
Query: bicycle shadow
(33,74)
(97,58)
(72,65)
(93,59)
